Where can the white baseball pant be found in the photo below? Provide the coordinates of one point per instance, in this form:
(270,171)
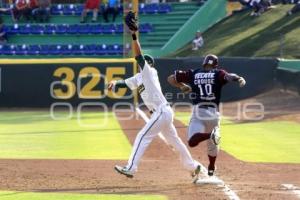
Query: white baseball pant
(160,121)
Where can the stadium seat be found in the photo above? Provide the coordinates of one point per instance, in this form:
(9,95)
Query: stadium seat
(151,8)
(57,9)
(77,49)
(84,29)
(37,29)
(61,29)
(14,29)
(69,9)
(96,29)
(8,49)
(101,49)
(50,29)
(72,29)
(164,8)
(119,28)
(90,49)
(44,50)
(108,29)
(79,9)
(33,50)
(66,49)
(21,50)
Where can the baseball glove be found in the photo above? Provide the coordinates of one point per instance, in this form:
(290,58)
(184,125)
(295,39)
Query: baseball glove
(131,21)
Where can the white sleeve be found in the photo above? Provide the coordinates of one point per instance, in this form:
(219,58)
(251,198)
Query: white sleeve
(132,82)
(147,72)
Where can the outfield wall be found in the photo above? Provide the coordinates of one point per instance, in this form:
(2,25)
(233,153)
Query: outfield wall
(44,82)
(288,74)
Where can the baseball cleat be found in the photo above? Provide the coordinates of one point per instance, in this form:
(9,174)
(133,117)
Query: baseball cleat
(124,171)
(195,173)
(215,136)
(211,171)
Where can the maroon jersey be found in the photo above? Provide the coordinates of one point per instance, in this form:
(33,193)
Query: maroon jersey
(206,85)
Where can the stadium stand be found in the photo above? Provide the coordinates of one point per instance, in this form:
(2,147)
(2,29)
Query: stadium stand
(64,35)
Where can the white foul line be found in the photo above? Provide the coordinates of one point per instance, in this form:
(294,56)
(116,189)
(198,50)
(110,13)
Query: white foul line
(228,192)
(292,188)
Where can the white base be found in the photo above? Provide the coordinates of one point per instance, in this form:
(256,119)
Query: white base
(209,180)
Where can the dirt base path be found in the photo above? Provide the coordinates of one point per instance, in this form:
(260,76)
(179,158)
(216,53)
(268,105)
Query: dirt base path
(160,172)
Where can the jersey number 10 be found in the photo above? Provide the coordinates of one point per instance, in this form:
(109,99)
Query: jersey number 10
(205,90)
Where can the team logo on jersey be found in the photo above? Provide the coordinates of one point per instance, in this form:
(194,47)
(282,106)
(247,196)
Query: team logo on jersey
(141,88)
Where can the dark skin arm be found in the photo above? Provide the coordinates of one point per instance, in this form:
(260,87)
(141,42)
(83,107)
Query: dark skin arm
(183,87)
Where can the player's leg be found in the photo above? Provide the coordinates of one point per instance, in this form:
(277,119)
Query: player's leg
(196,130)
(213,126)
(142,141)
(212,153)
(174,140)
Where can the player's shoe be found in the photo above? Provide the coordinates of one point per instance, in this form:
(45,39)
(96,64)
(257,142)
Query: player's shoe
(124,171)
(211,171)
(215,136)
(195,173)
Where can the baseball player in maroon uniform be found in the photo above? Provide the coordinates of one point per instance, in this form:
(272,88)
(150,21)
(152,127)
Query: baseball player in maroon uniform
(205,84)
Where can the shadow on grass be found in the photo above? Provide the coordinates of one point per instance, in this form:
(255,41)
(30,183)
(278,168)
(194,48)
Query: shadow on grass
(272,33)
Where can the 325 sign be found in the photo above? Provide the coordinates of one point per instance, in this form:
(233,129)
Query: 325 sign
(88,83)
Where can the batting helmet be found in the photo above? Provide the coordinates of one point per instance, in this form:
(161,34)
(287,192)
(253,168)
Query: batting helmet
(149,59)
(211,61)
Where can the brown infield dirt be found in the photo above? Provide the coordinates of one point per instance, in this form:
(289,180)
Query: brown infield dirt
(160,171)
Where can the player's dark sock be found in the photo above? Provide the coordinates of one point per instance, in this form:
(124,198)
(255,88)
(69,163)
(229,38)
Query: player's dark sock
(212,160)
(197,138)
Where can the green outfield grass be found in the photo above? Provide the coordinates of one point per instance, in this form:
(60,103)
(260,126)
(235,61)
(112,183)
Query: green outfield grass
(11,195)
(276,141)
(35,135)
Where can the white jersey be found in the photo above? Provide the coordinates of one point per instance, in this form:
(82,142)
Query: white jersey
(148,86)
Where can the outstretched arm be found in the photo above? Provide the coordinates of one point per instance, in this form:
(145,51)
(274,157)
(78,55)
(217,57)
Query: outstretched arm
(132,23)
(230,77)
(172,79)
(114,85)
(130,83)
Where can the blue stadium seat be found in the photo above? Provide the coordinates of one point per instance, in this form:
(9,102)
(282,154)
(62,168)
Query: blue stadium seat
(90,49)
(72,29)
(84,29)
(21,49)
(37,29)
(33,50)
(119,28)
(50,29)
(151,8)
(164,8)
(101,49)
(62,29)
(79,9)
(57,9)
(69,9)
(8,49)
(14,29)
(77,49)
(141,8)
(66,49)
(96,29)
(44,50)
(108,29)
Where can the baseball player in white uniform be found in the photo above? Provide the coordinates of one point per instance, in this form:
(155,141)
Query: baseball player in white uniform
(148,86)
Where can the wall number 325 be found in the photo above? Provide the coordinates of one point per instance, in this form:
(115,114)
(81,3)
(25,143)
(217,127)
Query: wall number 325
(87,83)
